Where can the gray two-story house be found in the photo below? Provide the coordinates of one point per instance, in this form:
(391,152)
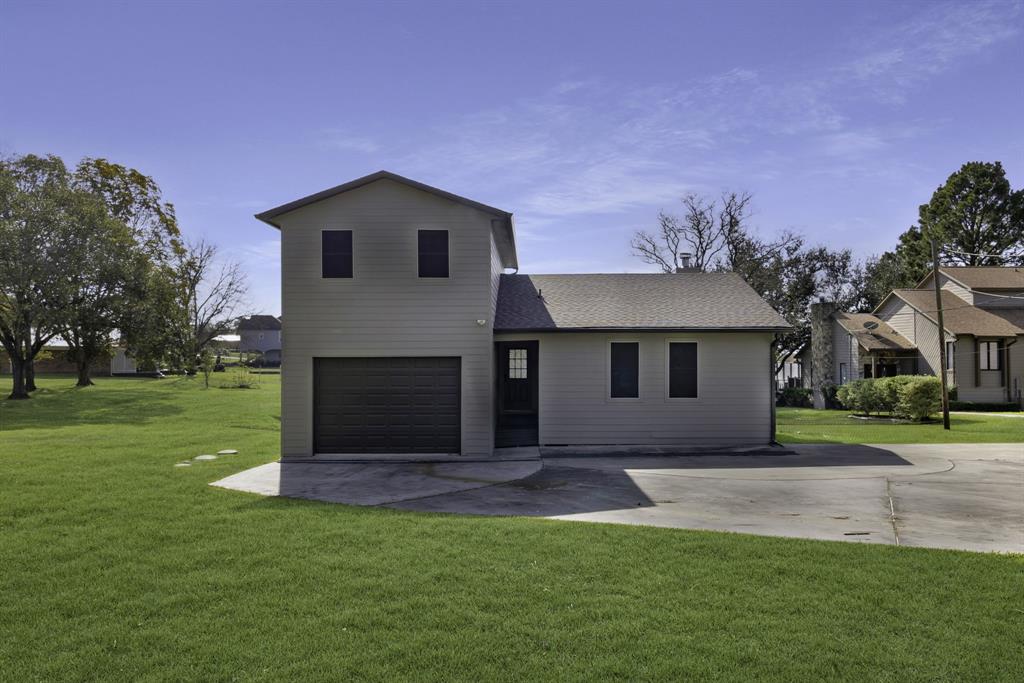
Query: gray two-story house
(410,330)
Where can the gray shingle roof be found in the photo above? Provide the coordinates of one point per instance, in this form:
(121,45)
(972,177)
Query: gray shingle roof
(987,277)
(678,301)
(879,337)
(958,316)
(259,322)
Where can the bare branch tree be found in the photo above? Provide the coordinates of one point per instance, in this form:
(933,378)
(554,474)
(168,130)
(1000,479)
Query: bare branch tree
(213,292)
(696,230)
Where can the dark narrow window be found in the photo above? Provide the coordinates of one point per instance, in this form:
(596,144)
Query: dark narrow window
(842,373)
(989,359)
(682,370)
(625,370)
(433,245)
(950,348)
(336,253)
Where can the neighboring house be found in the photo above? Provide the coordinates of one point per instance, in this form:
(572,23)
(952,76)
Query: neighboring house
(405,336)
(983,315)
(53,360)
(262,334)
(790,374)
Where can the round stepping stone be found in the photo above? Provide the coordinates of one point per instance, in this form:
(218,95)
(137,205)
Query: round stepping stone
(183,464)
(228,451)
(205,457)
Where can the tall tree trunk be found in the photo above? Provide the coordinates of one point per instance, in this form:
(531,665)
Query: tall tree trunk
(18,375)
(82,362)
(30,375)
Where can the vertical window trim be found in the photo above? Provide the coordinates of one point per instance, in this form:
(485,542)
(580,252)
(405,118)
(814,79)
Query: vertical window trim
(608,370)
(668,370)
(337,229)
(448,254)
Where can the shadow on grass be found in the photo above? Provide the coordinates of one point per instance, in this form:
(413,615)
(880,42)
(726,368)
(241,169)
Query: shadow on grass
(133,403)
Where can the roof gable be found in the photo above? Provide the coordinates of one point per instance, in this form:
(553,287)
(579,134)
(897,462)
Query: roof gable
(958,316)
(502,226)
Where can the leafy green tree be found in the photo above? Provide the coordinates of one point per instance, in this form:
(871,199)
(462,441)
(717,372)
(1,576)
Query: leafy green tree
(151,328)
(35,201)
(135,199)
(976,218)
(102,255)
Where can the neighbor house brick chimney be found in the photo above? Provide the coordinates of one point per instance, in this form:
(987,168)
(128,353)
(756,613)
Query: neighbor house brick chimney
(822,370)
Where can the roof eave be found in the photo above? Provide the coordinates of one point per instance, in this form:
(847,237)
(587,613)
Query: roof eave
(535,330)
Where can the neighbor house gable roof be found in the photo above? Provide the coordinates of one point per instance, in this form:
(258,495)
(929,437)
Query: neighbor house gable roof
(259,322)
(958,316)
(981,278)
(504,236)
(872,333)
(595,302)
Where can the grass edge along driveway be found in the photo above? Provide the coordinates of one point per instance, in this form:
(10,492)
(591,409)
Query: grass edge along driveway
(805,425)
(119,566)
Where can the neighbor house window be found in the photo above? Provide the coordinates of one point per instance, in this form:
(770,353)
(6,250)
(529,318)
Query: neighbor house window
(842,373)
(950,348)
(989,358)
(433,251)
(625,370)
(682,370)
(336,253)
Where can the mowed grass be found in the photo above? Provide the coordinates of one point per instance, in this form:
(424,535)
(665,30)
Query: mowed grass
(804,425)
(114,565)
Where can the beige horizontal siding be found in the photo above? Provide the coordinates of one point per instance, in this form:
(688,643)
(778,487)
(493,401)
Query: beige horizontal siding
(386,309)
(733,407)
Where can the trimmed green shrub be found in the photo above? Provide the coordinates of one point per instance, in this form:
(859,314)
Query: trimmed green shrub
(920,397)
(794,397)
(984,407)
(860,395)
(889,392)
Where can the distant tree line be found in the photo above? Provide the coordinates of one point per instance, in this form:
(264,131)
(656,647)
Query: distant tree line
(94,254)
(975,217)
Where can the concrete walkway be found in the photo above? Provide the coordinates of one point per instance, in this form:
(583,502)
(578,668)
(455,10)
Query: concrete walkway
(968,497)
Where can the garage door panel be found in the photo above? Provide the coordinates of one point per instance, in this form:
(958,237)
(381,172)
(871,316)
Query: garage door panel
(381,405)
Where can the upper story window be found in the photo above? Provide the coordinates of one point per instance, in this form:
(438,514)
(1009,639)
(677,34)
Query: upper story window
(625,370)
(682,370)
(336,253)
(433,253)
(989,355)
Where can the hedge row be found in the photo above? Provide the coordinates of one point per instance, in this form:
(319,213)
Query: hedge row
(914,397)
(984,407)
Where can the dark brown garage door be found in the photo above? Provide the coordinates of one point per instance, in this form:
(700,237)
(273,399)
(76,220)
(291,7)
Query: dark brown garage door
(386,405)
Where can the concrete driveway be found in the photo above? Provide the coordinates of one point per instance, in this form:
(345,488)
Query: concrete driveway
(968,497)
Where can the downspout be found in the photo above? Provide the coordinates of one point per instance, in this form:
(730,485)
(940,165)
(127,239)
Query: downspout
(771,387)
(1006,369)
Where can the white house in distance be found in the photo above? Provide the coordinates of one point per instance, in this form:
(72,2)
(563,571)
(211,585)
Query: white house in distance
(406,335)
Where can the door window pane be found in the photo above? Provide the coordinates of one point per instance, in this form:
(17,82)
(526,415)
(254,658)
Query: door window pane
(517,363)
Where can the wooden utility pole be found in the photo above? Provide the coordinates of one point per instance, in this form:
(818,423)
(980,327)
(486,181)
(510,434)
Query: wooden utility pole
(942,336)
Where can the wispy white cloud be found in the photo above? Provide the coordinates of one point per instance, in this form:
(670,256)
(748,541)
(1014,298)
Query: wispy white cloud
(338,139)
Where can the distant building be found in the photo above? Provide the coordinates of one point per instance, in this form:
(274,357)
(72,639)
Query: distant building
(262,334)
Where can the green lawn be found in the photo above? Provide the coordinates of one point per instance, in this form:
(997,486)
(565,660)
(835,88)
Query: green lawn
(803,425)
(114,565)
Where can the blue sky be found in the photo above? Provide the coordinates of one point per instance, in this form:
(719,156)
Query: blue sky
(584,119)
